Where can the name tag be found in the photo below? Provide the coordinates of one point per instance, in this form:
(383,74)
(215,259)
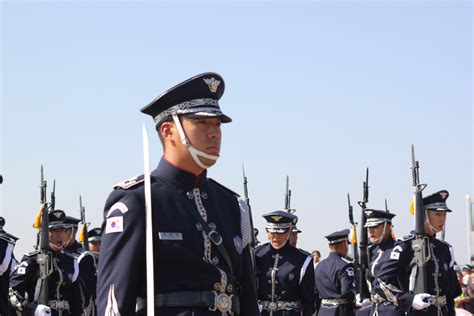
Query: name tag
(170,236)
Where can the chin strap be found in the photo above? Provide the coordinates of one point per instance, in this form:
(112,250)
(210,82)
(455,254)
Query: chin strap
(193,151)
(433,229)
(379,240)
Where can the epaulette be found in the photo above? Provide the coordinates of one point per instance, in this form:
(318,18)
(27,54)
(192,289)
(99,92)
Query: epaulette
(69,254)
(130,183)
(223,187)
(445,242)
(304,252)
(407,237)
(347,259)
(32,253)
(10,236)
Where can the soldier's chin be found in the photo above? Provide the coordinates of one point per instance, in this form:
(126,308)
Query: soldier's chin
(56,247)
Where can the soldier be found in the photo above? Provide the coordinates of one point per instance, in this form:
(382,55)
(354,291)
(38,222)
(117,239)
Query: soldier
(335,284)
(87,266)
(7,243)
(202,232)
(316,255)
(379,228)
(285,274)
(94,237)
(294,236)
(64,295)
(395,279)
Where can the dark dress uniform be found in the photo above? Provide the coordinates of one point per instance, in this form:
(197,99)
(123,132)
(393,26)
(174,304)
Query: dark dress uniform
(87,276)
(64,294)
(191,276)
(393,280)
(285,275)
(7,243)
(335,281)
(377,255)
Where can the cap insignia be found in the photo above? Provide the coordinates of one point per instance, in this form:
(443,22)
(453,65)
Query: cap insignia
(212,83)
(277,218)
(57,215)
(443,195)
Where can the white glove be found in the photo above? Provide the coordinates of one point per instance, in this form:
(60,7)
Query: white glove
(42,310)
(419,301)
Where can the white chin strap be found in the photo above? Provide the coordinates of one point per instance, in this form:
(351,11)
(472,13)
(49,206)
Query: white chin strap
(429,223)
(193,151)
(379,240)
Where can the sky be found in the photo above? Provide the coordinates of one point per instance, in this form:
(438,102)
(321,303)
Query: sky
(318,91)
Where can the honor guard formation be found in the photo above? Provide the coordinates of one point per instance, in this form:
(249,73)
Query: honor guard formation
(175,242)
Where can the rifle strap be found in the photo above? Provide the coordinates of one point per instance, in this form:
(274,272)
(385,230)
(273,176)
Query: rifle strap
(213,235)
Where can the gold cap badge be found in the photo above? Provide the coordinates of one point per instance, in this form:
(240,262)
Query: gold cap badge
(212,83)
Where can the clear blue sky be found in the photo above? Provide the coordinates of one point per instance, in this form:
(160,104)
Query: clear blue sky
(318,90)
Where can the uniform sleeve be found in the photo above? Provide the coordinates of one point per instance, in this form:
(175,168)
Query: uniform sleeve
(347,281)
(248,299)
(24,278)
(87,280)
(122,256)
(454,286)
(387,284)
(307,288)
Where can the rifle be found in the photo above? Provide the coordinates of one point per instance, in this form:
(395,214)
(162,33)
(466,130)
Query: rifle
(420,244)
(44,257)
(354,231)
(53,196)
(363,264)
(82,211)
(253,242)
(288,197)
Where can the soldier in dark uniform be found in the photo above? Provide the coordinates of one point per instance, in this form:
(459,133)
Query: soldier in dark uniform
(7,243)
(335,284)
(94,237)
(64,295)
(285,273)
(379,227)
(87,266)
(202,231)
(393,279)
(294,236)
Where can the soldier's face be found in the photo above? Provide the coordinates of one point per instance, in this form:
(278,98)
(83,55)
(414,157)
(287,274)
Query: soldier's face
(293,239)
(437,219)
(278,240)
(57,238)
(204,134)
(375,233)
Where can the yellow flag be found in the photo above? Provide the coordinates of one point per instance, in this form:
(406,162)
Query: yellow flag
(83,233)
(353,235)
(412,207)
(37,223)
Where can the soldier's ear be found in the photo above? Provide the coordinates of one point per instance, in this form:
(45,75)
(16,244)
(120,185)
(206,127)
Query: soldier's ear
(167,130)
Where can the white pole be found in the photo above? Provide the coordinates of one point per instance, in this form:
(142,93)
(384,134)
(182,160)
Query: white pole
(150,276)
(469,226)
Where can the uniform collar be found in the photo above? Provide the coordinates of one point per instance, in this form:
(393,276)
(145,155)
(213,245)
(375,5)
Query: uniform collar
(282,249)
(386,244)
(169,171)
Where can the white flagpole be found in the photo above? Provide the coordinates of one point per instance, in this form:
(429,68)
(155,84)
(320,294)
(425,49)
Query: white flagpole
(150,284)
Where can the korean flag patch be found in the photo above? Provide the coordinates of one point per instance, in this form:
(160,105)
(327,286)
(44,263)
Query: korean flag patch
(395,255)
(114,225)
(350,272)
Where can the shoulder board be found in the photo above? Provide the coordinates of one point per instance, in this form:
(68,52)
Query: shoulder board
(223,187)
(304,252)
(71,253)
(31,254)
(407,237)
(130,183)
(347,259)
(444,242)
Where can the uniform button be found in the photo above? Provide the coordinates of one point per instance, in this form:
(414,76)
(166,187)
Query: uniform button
(198,226)
(230,288)
(217,286)
(215,261)
(204,195)
(190,195)
(212,226)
